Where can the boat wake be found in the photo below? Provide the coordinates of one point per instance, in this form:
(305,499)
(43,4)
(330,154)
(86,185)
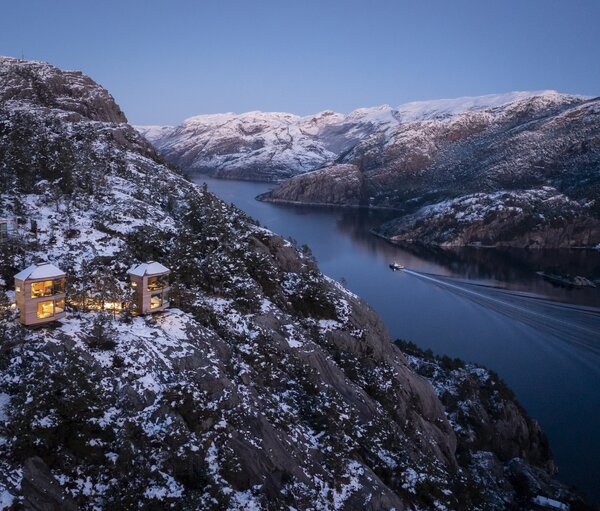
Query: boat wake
(574,324)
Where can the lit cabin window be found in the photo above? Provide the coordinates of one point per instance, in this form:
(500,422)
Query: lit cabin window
(47,288)
(39,289)
(159,282)
(59,286)
(45,309)
(156,301)
(59,306)
(18,289)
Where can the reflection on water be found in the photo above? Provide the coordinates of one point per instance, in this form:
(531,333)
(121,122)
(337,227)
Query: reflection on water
(513,268)
(482,305)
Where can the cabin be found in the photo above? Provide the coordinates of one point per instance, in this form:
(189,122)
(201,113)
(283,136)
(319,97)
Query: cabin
(151,284)
(40,294)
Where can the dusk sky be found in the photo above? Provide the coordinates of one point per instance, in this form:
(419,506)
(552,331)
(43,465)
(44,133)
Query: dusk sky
(167,60)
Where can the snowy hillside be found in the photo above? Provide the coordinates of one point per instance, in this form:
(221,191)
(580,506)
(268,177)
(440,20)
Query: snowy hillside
(154,133)
(533,218)
(266,385)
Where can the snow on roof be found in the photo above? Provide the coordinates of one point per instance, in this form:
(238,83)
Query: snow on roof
(40,271)
(150,268)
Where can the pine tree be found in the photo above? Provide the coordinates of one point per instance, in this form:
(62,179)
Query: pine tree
(102,333)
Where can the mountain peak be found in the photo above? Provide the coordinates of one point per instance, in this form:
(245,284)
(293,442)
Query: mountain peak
(245,117)
(39,84)
(422,110)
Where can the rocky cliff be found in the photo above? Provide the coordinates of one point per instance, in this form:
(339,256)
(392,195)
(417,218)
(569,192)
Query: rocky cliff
(35,83)
(265,386)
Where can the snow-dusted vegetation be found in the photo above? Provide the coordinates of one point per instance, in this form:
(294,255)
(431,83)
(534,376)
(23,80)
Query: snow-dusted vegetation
(265,386)
(537,218)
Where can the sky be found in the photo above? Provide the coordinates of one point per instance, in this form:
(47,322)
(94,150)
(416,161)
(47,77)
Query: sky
(167,60)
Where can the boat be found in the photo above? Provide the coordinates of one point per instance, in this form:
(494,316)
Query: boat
(396,266)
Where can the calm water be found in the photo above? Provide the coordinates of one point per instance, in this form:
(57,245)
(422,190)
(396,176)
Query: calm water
(482,305)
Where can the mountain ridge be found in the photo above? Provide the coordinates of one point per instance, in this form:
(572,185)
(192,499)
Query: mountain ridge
(275,145)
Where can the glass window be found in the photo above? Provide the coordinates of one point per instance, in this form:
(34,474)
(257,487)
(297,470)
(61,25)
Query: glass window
(47,288)
(159,282)
(45,309)
(59,306)
(59,286)
(39,289)
(156,301)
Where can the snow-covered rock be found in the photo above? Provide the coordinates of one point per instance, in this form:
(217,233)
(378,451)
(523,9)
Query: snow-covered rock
(537,218)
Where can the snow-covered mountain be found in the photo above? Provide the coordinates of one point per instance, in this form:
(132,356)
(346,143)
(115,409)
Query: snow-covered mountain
(254,145)
(265,386)
(444,108)
(451,149)
(271,145)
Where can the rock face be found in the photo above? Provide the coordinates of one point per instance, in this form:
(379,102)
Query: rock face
(41,84)
(340,185)
(481,409)
(41,489)
(265,386)
(494,436)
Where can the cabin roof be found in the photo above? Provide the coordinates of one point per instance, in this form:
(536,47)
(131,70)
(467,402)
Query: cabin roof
(150,268)
(40,271)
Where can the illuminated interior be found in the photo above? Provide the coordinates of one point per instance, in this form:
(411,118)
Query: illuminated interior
(45,309)
(159,282)
(59,306)
(156,301)
(47,288)
(39,289)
